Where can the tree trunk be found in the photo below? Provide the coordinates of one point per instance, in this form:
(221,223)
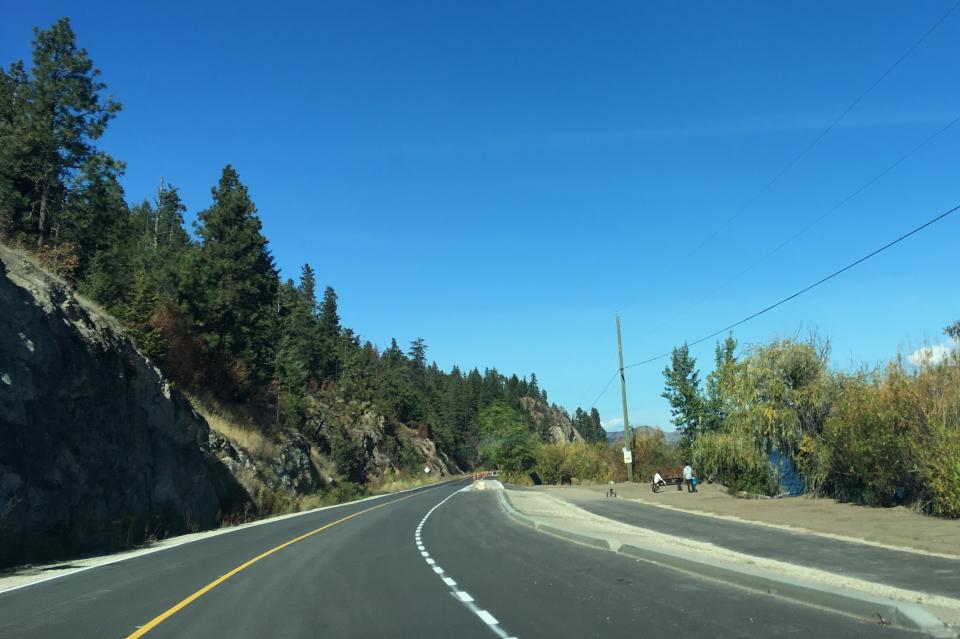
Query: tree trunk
(42,218)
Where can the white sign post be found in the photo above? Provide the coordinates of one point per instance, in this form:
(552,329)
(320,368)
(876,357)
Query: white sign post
(627,456)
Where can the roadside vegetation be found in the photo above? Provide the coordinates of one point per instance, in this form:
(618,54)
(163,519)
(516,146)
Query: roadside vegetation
(880,437)
(510,443)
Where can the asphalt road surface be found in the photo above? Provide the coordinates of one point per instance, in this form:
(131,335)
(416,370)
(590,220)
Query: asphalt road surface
(913,571)
(435,562)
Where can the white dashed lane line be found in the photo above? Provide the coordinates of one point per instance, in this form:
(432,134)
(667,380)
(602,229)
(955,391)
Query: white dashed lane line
(460,595)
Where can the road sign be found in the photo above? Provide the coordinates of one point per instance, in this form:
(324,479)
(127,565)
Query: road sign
(627,456)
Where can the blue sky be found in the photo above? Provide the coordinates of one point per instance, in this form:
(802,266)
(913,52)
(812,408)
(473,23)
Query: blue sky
(502,177)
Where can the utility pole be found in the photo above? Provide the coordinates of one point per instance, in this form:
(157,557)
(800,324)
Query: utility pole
(627,433)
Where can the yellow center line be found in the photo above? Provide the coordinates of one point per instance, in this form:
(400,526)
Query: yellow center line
(153,623)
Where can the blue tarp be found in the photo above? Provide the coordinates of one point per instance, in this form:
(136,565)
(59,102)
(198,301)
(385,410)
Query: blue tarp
(791,484)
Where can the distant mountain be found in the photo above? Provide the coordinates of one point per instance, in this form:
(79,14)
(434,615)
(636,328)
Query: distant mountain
(672,436)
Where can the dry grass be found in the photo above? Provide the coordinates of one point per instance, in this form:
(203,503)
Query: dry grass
(394,483)
(240,429)
(9,253)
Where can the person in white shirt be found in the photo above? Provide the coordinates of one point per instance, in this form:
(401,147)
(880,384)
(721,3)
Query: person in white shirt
(688,478)
(658,480)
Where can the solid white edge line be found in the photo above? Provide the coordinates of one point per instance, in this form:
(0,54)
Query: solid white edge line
(207,534)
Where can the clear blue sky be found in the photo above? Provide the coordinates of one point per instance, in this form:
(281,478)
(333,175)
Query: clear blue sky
(502,177)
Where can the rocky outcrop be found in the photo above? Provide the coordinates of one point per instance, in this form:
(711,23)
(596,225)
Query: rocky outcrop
(97,450)
(384,447)
(553,422)
(288,470)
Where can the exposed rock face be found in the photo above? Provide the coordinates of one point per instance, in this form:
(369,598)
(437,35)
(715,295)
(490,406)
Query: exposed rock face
(559,428)
(385,447)
(289,469)
(97,451)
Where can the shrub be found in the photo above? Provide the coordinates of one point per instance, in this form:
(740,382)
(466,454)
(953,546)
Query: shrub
(562,463)
(940,469)
(733,459)
(652,453)
(893,438)
(864,452)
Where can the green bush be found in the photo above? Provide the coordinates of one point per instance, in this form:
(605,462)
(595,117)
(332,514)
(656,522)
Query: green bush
(562,463)
(940,468)
(505,441)
(733,459)
(892,438)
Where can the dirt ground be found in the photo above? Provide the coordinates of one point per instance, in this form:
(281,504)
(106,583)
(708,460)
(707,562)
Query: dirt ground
(896,527)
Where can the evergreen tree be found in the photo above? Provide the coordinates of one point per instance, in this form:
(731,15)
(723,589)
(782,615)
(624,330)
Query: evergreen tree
(418,354)
(56,116)
(15,156)
(533,388)
(598,425)
(329,316)
(719,385)
(589,426)
(298,357)
(330,334)
(683,392)
(231,297)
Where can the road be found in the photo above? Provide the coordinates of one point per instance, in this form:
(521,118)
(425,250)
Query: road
(909,570)
(435,562)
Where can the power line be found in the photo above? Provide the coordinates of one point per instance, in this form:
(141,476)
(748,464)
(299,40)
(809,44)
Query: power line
(903,158)
(787,298)
(786,169)
(825,131)
(807,288)
(594,402)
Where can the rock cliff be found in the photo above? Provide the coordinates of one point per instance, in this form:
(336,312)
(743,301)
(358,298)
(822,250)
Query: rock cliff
(555,424)
(97,450)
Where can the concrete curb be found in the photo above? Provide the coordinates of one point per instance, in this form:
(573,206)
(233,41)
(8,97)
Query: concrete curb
(901,614)
(513,512)
(596,542)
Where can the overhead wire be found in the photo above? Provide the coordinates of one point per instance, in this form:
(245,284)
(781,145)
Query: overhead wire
(863,187)
(594,402)
(790,164)
(807,288)
(796,158)
(786,299)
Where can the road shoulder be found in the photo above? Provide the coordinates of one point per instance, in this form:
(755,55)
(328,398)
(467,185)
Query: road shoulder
(904,608)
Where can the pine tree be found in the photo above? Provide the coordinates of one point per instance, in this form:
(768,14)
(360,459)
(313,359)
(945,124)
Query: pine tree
(329,316)
(232,293)
(330,334)
(61,115)
(598,425)
(719,385)
(683,392)
(15,157)
(534,390)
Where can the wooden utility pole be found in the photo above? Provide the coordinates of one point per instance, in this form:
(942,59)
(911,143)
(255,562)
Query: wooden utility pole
(627,432)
